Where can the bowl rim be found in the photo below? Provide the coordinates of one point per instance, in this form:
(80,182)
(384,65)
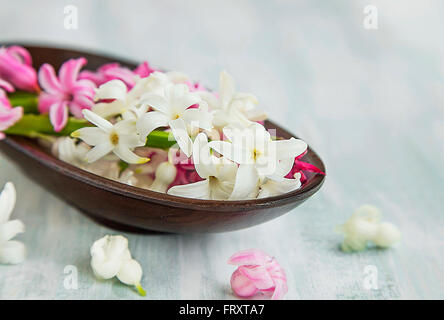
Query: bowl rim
(46,159)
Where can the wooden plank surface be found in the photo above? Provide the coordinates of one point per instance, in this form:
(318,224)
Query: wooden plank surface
(369,102)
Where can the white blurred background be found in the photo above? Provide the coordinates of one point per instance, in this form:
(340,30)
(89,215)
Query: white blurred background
(370,102)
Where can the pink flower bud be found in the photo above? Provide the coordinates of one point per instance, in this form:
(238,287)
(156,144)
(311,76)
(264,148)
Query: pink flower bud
(257,272)
(16,68)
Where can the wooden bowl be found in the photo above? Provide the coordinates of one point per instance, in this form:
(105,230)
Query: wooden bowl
(120,205)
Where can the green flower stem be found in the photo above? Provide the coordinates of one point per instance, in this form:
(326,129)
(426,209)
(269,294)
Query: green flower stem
(32,124)
(35,125)
(27,100)
(140,290)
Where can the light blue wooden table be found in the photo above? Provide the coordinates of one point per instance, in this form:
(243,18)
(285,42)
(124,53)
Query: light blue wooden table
(369,101)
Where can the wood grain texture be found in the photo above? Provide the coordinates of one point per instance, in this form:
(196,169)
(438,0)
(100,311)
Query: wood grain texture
(370,102)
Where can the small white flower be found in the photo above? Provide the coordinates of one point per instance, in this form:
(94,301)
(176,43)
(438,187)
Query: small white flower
(231,107)
(11,251)
(120,138)
(172,110)
(365,226)
(259,157)
(67,150)
(111,257)
(219,174)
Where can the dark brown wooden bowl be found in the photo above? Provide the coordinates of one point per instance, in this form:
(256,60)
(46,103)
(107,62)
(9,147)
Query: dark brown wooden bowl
(118,204)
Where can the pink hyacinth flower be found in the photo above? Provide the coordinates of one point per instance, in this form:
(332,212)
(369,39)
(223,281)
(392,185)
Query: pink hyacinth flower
(257,272)
(110,71)
(8,115)
(143,70)
(300,166)
(65,92)
(16,68)
(186,171)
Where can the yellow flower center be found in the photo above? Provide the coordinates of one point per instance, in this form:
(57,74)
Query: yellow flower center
(114,137)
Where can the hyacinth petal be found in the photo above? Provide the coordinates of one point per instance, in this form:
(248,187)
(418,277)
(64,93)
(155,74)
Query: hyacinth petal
(280,290)
(114,89)
(91,135)
(48,79)
(246,184)
(144,69)
(249,257)
(130,272)
(258,275)
(196,190)
(95,119)
(226,88)
(108,109)
(273,188)
(290,148)
(155,101)
(123,74)
(98,152)
(242,286)
(46,100)
(58,115)
(105,269)
(180,133)
(12,252)
(76,109)
(210,98)
(15,69)
(230,151)
(198,118)
(7,201)
(150,121)
(202,159)
(69,72)
(9,117)
(128,156)
(21,53)
(91,76)
(283,167)
(10,229)
(309,167)
(6,85)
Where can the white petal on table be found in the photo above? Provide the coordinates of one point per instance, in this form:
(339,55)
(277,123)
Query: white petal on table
(7,201)
(10,229)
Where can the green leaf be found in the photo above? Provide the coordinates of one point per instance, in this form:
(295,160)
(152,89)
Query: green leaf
(34,125)
(31,124)
(27,100)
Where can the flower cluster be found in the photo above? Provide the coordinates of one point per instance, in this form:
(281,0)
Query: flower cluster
(110,257)
(155,130)
(257,272)
(11,251)
(365,226)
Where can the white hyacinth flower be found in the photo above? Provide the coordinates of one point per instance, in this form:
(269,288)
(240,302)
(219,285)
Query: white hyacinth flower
(259,157)
(123,99)
(219,174)
(110,257)
(231,107)
(365,226)
(11,251)
(67,150)
(120,138)
(171,109)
